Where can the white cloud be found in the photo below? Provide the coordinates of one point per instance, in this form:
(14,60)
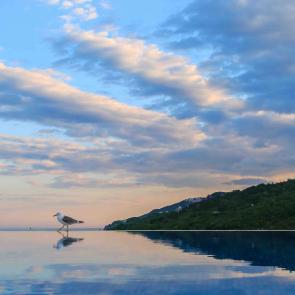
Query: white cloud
(81,1)
(86,13)
(82,10)
(105,4)
(79,11)
(53,102)
(166,71)
(67,4)
(53,2)
(288,119)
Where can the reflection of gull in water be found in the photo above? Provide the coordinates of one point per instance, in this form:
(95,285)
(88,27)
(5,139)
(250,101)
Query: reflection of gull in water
(66,241)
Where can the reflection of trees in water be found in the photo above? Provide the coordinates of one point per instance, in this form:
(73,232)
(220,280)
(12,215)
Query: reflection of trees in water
(259,248)
(66,241)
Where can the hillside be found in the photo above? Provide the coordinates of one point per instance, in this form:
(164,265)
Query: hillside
(265,206)
(175,207)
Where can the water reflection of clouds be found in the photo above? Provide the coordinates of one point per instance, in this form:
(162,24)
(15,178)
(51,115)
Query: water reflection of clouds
(244,286)
(35,269)
(166,273)
(93,271)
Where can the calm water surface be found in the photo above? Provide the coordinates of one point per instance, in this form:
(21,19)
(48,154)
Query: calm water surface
(147,263)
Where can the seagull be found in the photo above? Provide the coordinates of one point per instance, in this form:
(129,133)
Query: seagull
(65,220)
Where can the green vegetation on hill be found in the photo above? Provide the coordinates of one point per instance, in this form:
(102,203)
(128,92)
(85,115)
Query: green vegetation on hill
(265,206)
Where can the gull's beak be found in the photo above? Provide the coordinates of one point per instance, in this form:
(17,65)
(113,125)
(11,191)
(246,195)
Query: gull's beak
(54,215)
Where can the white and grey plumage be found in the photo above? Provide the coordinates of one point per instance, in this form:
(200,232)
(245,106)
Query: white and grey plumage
(66,220)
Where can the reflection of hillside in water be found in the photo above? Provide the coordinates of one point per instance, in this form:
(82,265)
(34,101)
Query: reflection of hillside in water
(259,248)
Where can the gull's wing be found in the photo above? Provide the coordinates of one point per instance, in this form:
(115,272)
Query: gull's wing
(69,220)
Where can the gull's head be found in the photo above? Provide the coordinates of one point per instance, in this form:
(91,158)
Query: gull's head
(58,214)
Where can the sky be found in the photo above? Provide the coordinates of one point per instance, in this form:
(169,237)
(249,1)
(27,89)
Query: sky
(111,108)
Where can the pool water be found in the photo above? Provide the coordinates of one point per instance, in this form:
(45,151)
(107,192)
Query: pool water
(99,262)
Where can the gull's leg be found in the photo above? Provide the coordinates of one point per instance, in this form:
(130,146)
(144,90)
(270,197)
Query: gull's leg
(67,228)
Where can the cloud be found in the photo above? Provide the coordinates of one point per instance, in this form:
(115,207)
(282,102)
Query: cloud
(105,4)
(77,10)
(53,2)
(246,181)
(106,181)
(267,127)
(239,101)
(36,96)
(134,145)
(107,165)
(28,156)
(249,45)
(86,13)
(67,164)
(151,70)
(67,4)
